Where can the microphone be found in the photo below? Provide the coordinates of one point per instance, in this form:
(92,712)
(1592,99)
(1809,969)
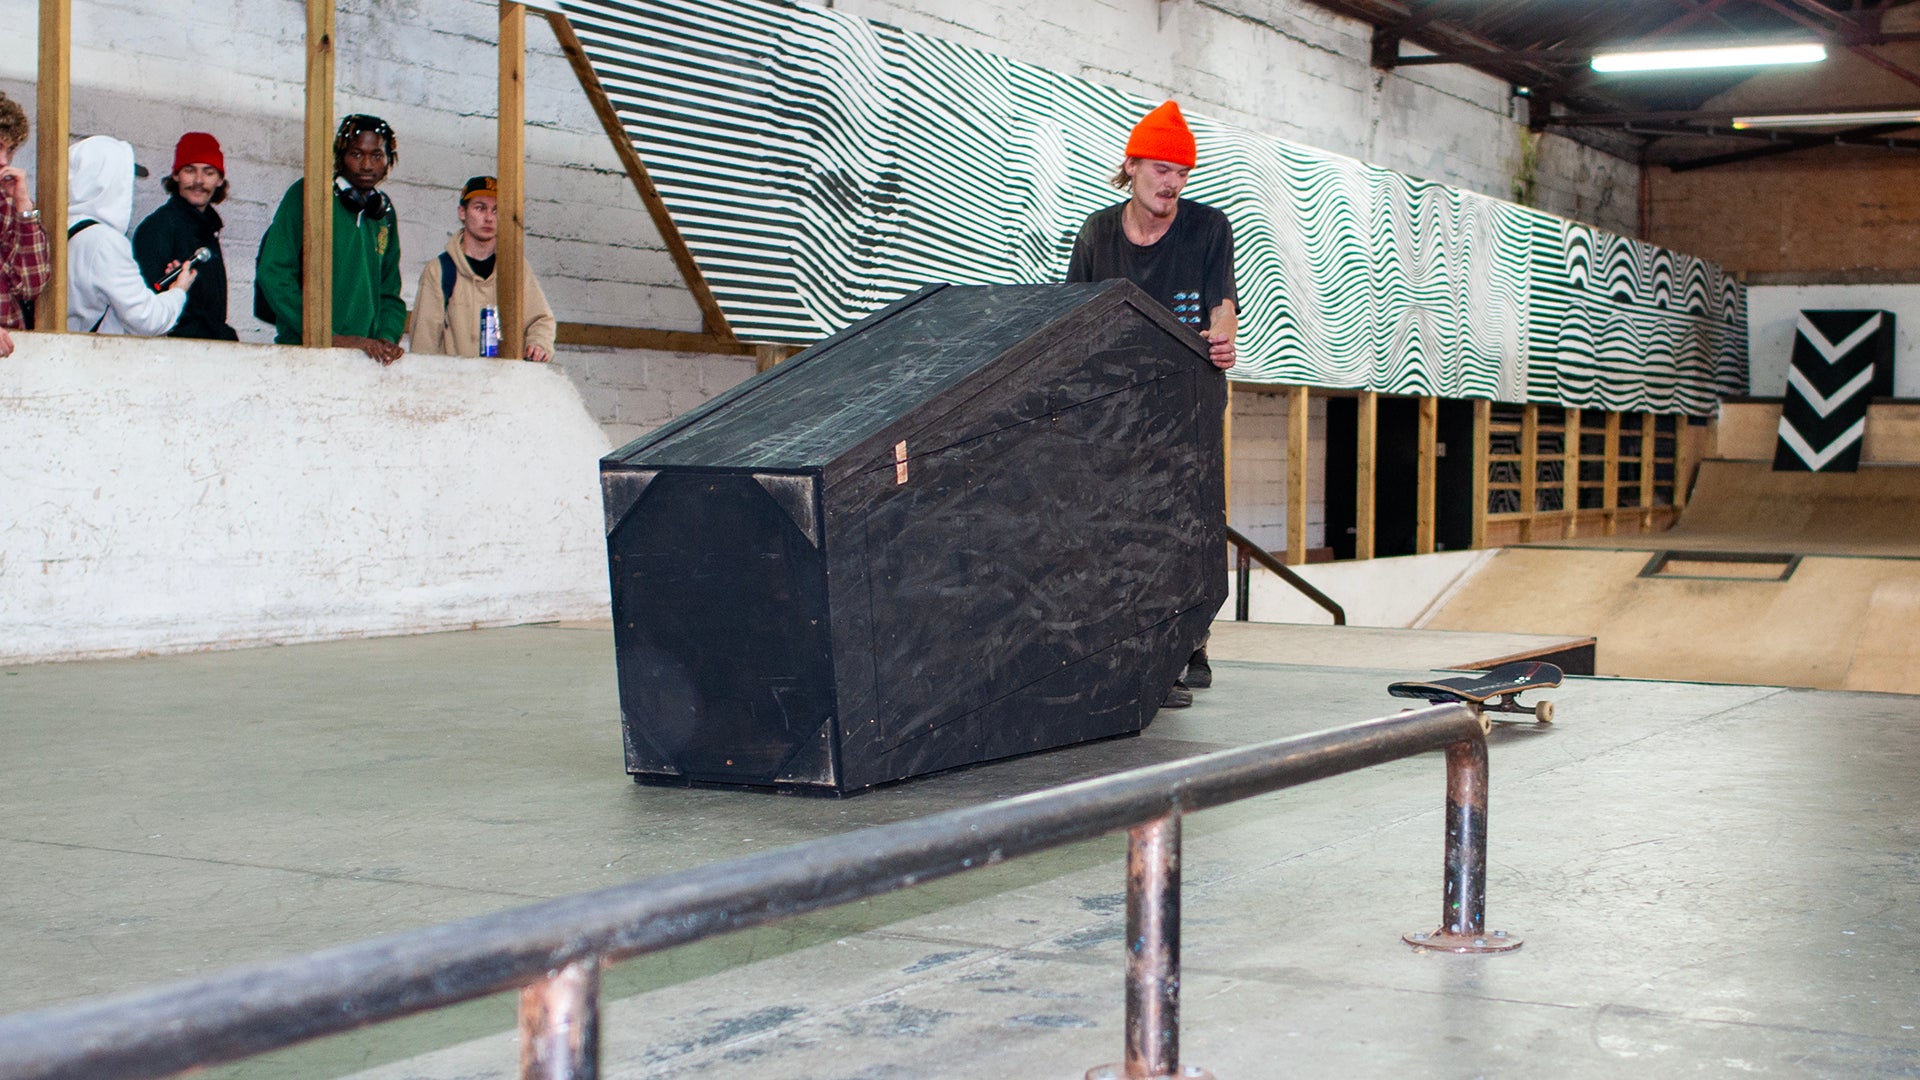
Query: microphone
(200,255)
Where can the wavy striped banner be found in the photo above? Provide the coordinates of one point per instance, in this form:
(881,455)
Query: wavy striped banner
(820,166)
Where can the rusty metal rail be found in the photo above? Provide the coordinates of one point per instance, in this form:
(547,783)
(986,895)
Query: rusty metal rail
(553,951)
(1249,553)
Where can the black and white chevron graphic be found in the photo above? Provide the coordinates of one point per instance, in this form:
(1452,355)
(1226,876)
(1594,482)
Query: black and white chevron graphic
(821,165)
(1841,360)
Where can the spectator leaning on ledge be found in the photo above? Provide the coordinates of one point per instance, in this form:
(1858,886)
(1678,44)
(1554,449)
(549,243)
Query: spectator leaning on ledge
(105,292)
(185,224)
(25,263)
(455,286)
(368,311)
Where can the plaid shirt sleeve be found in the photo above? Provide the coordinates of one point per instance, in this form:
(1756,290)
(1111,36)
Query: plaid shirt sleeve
(26,265)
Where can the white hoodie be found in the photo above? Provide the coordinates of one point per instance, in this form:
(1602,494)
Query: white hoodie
(101,273)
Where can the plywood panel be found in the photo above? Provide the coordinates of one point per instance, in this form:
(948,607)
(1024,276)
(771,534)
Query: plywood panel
(1748,431)
(1746,506)
(1803,631)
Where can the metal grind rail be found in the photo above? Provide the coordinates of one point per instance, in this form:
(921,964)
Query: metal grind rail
(1249,553)
(553,951)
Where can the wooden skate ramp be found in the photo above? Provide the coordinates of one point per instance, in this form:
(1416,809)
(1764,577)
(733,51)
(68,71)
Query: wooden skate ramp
(1831,623)
(1746,506)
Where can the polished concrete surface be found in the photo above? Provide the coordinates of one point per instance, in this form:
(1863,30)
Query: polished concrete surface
(1710,879)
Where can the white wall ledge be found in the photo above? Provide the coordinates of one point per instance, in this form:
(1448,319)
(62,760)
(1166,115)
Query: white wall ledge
(164,496)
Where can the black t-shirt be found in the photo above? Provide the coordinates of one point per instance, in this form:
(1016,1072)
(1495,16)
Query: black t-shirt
(1190,269)
(482,268)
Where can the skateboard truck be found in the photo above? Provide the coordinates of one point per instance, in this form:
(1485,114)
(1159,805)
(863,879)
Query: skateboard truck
(1495,691)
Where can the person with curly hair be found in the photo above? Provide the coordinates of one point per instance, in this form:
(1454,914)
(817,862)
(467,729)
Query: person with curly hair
(26,260)
(369,313)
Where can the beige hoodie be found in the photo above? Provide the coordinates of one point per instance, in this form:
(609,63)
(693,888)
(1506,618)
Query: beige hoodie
(453,327)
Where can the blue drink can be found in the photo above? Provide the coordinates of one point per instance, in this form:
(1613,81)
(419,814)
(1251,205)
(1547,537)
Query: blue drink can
(490,331)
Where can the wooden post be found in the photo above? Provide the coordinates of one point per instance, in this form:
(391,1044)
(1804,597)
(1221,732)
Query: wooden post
(1529,469)
(1367,440)
(1570,474)
(1296,475)
(53,123)
(1682,461)
(1648,429)
(1482,462)
(512,165)
(316,251)
(1226,455)
(1426,491)
(1610,485)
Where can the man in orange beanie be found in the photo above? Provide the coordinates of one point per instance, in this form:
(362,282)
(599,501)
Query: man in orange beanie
(1178,251)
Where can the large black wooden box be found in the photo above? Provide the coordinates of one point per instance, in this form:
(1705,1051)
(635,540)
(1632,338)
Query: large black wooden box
(982,522)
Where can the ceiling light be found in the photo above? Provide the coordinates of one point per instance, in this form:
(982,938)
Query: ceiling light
(1729,56)
(1905,116)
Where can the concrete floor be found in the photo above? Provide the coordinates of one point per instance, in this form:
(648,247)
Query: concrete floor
(1710,879)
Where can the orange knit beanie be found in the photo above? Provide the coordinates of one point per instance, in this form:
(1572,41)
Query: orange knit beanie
(1163,135)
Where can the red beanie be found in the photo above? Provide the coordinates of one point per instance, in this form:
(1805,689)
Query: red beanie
(198,148)
(1163,135)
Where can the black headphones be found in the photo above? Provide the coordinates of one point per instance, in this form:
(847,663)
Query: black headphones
(373,202)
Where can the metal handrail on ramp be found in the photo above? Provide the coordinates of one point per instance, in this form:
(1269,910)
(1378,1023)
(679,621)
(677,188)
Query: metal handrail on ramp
(1250,553)
(553,951)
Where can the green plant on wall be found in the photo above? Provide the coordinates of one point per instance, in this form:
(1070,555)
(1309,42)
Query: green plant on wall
(1528,171)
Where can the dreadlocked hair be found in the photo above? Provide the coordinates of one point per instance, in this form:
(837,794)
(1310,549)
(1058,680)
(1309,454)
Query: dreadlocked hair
(359,124)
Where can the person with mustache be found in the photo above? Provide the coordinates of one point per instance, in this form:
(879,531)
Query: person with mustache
(1178,251)
(369,313)
(184,224)
(26,260)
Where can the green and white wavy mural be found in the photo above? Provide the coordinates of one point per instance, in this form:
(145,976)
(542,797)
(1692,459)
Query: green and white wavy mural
(821,166)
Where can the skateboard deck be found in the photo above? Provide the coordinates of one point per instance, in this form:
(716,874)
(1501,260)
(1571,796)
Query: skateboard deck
(1498,690)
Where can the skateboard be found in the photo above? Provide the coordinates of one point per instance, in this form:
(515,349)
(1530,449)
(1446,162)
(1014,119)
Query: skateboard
(1498,690)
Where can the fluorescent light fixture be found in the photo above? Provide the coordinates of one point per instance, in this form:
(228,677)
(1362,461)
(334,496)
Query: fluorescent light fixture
(1729,56)
(1791,120)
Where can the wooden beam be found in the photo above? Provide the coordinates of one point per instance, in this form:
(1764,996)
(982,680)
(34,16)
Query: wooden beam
(316,247)
(1682,460)
(767,357)
(1366,443)
(1226,455)
(512,175)
(1296,475)
(1482,461)
(1610,486)
(1426,489)
(1647,433)
(1529,469)
(633,337)
(54,122)
(716,320)
(1570,474)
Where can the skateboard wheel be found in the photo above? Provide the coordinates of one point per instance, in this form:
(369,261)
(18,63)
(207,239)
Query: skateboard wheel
(1543,712)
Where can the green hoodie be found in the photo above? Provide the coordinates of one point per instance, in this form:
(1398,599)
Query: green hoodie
(366,271)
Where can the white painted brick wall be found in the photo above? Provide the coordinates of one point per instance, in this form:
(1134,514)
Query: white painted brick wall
(146,72)
(1259,454)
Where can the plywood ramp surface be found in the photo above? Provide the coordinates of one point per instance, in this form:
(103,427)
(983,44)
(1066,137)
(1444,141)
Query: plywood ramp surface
(1376,648)
(1746,506)
(1834,623)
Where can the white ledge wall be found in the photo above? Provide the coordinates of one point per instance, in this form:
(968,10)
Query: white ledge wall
(161,495)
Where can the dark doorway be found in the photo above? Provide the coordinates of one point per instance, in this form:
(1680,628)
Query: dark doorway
(1453,477)
(1343,471)
(1396,480)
